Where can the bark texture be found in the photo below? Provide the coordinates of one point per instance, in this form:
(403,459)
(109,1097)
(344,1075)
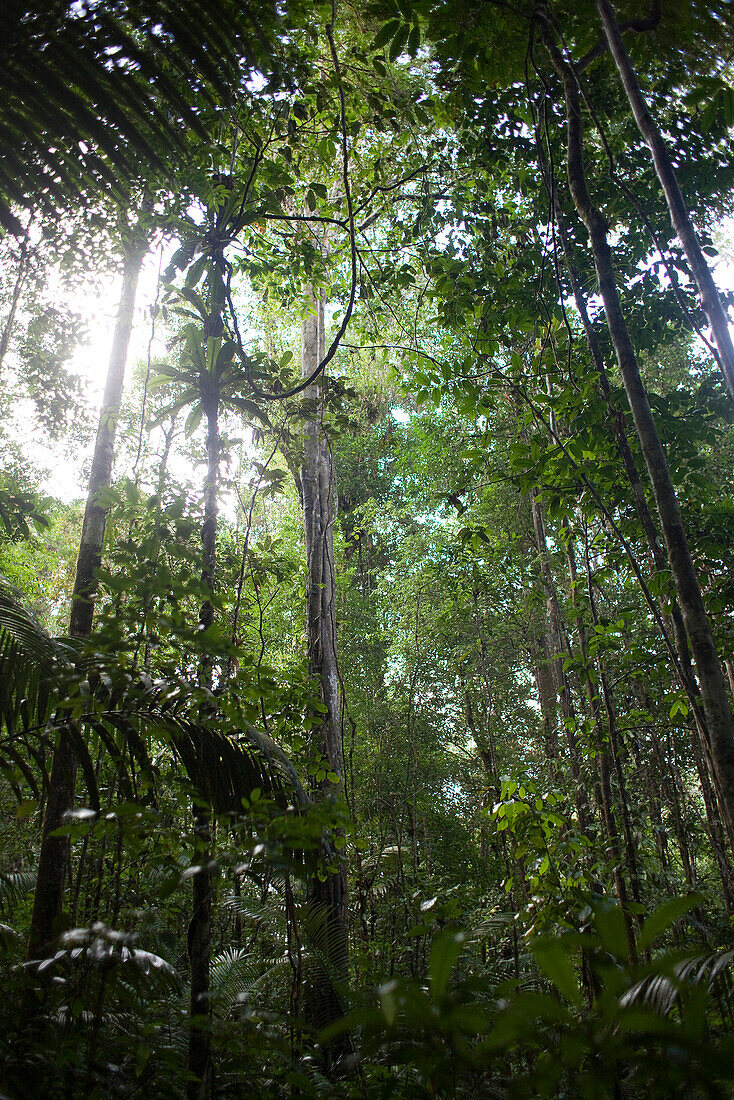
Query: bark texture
(319,498)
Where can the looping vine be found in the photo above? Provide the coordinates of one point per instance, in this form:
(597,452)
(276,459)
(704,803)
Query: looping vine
(282,395)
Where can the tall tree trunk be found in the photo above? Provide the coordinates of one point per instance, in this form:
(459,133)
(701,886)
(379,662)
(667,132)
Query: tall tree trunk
(318,493)
(199,934)
(605,783)
(720,726)
(55,851)
(611,713)
(545,690)
(558,644)
(710,299)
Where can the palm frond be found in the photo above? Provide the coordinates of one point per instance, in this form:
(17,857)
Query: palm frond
(661,990)
(30,663)
(99,947)
(236,975)
(98,94)
(224,768)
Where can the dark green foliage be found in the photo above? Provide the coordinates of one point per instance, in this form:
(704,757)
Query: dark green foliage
(540,883)
(100,96)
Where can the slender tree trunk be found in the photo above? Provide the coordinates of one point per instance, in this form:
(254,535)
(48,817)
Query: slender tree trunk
(17,288)
(611,713)
(715,700)
(319,498)
(558,644)
(199,949)
(710,299)
(546,692)
(210,403)
(489,763)
(160,489)
(485,740)
(199,933)
(95,515)
(605,784)
(55,851)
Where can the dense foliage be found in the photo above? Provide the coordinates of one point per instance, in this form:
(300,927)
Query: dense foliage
(368,729)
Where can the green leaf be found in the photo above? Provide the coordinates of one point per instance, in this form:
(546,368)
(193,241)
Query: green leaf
(384,35)
(195,299)
(610,926)
(662,918)
(556,965)
(445,951)
(193,420)
(398,42)
(196,271)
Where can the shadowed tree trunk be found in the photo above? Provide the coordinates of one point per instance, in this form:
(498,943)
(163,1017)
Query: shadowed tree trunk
(558,645)
(15,298)
(54,855)
(199,933)
(603,757)
(318,493)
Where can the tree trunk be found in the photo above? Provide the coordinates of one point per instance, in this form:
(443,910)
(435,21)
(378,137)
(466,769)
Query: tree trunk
(318,492)
(658,561)
(54,856)
(558,645)
(710,300)
(715,700)
(199,935)
(545,690)
(95,515)
(199,948)
(17,288)
(605,783)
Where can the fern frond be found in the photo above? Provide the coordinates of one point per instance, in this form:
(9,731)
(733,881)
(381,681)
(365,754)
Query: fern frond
(15,885)
(660,991)
(236,975)
(96,95)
